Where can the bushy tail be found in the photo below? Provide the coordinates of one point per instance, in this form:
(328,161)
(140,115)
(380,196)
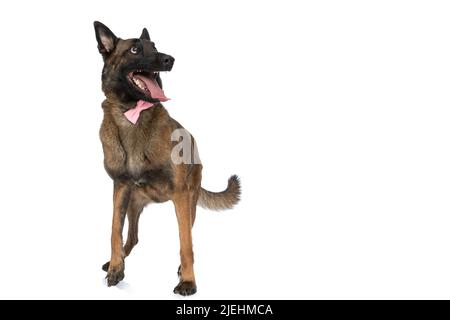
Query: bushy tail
(221,200)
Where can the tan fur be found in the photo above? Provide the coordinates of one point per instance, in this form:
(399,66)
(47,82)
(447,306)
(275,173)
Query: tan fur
(221,200)
(138,159)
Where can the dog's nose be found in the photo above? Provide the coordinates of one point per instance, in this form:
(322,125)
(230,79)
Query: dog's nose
(166,60)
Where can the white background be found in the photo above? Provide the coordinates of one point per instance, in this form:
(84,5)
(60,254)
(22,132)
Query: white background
(335,114)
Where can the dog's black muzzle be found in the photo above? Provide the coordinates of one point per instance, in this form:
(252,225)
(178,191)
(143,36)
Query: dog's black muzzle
(155,62)
(165,61)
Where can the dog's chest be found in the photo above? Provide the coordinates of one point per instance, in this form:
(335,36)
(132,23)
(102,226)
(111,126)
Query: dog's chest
(137,151)
(138,145)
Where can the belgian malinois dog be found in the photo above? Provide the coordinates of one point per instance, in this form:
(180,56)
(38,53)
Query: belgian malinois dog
(142,154)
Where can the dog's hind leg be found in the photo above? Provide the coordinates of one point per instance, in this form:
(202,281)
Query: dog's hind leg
(135,207)
(193,214)
(184,203)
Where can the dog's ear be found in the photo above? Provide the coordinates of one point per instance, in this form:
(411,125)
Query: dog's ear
(105,38)
(144,35)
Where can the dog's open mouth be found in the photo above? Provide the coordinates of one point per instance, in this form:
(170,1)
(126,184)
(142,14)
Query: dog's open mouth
(145,81)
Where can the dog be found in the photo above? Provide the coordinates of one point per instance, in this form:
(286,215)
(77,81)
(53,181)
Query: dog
(149,156)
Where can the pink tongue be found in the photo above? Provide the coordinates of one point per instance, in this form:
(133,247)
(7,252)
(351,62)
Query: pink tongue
(155,91)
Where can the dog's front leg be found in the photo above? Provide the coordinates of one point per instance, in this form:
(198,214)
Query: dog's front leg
(184,203)
(121,197)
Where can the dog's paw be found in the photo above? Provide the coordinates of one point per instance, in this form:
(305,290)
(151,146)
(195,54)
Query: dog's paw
(185,288)
(105,267)
(114,276)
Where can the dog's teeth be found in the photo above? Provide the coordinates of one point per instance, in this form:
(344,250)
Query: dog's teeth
(138,82)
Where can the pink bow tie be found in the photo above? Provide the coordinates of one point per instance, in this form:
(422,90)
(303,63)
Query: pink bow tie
(133,114)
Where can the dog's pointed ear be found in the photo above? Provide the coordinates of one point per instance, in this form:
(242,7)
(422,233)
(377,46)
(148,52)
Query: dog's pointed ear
(144,35)
(105,38)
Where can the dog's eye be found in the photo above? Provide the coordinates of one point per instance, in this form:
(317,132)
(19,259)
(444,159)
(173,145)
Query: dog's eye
(134,50)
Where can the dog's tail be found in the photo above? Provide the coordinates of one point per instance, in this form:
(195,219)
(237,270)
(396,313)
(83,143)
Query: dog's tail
(221,200)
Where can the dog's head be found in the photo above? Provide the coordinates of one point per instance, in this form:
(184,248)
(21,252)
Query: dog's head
(132,66)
